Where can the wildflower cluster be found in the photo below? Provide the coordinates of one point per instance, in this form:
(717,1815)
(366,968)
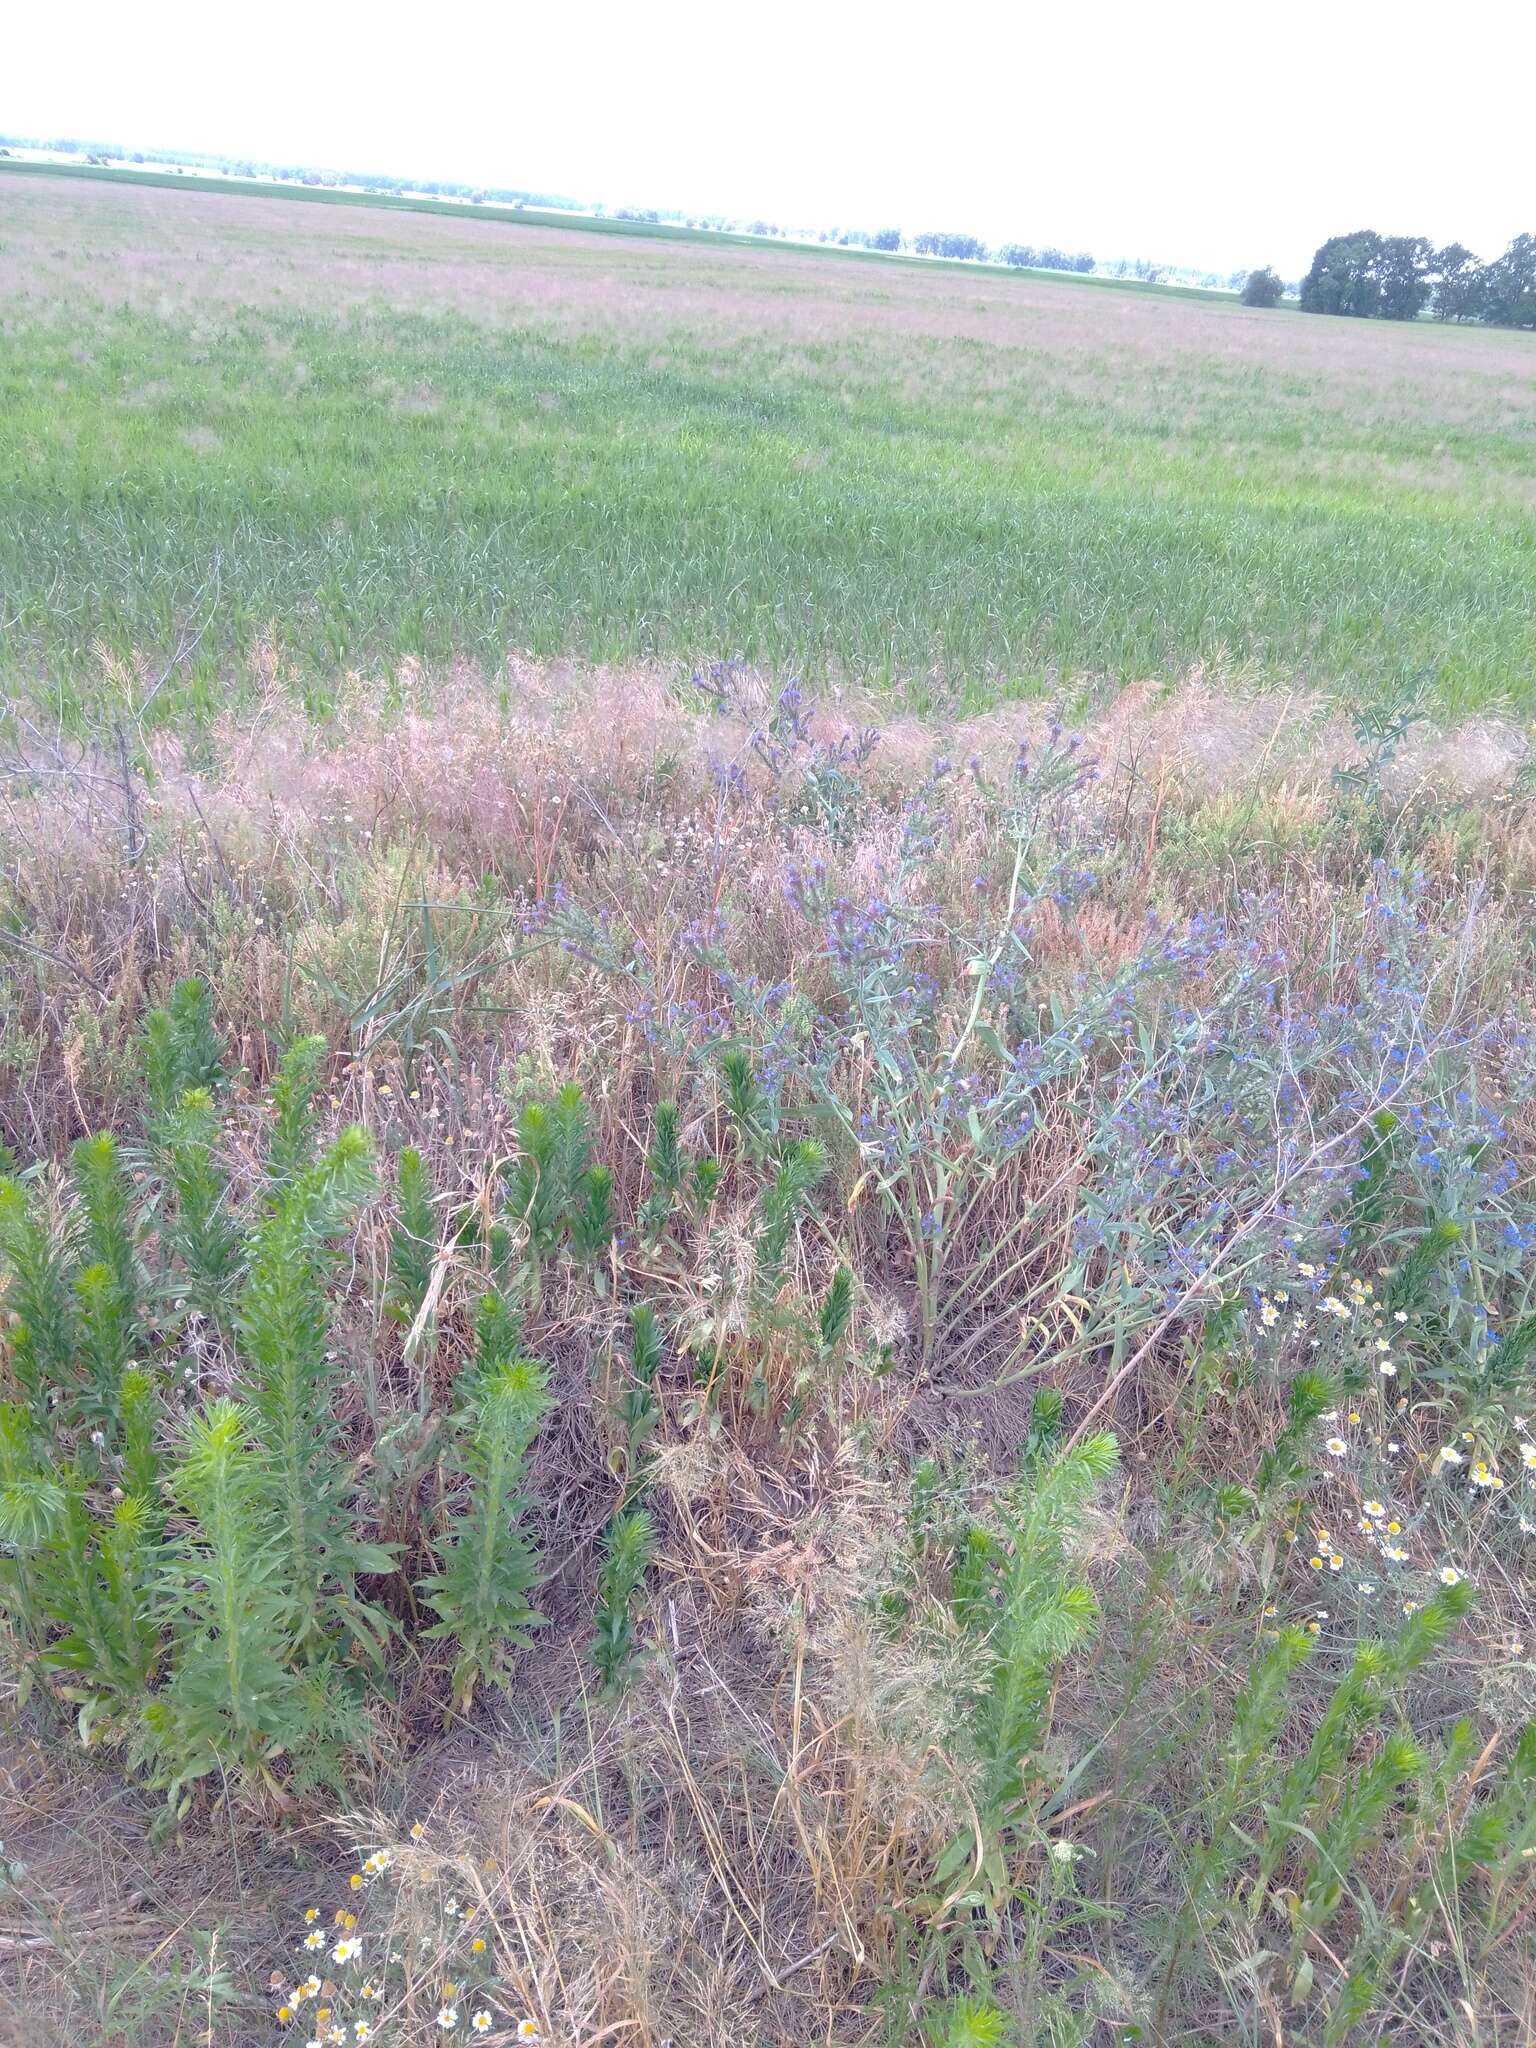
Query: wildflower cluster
(1379,1464)
(407,1959)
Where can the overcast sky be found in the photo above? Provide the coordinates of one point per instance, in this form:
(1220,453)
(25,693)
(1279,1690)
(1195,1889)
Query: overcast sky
(1213,134)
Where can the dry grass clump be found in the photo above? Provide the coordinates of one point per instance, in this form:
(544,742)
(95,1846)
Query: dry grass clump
(294,863)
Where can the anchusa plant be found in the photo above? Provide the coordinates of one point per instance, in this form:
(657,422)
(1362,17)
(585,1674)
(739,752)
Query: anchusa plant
(818,777)
(1084,1166)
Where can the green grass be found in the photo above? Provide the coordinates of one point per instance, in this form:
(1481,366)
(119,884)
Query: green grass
(356,437)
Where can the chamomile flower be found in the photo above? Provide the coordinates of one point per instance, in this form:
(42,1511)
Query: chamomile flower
(1269,1315)
(314,1939)
(1483,1477)
(1395,1552)
(1316,1563)
(1336,1447)
(311,1915)
(1528,1457)
(361,2031)
(1330,1305)
(1449,1455)
(346,1949)
(1373,1507)
(1449,1576)
(527,2031)
(447,2017)
(1335,1562)
(477,1946)
(481,2022)
(1387,1367)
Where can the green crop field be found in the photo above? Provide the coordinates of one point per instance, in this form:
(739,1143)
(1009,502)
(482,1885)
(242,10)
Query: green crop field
(344,433)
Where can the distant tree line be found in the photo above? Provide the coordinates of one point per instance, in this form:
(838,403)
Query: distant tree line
(1138,267)
(1018,255)
(290,174)
(959,248)
(1366,276)
(1022,256)
(861,238)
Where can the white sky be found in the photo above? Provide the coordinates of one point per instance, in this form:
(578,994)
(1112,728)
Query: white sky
(1214,134)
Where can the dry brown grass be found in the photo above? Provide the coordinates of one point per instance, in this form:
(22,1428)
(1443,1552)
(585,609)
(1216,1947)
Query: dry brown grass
(290,867)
